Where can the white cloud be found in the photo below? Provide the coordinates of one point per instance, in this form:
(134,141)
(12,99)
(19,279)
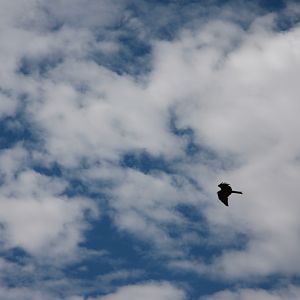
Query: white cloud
(109,280)
(243,105)
(289,293)
(113,116)
(147,291)
(95,13)
(146,206)
(8,106)
(236,89)
(34,214)
(23,293)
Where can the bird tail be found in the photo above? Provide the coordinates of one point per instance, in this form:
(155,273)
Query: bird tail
(236,192)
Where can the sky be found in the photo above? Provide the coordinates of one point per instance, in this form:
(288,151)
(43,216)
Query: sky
(118,120)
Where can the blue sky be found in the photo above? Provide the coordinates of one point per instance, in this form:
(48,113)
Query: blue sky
(119,119)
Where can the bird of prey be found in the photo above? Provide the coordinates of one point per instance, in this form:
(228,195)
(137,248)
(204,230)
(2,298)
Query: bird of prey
(225,191)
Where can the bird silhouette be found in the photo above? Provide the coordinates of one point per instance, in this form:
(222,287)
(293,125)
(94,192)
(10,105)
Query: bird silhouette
(225,191)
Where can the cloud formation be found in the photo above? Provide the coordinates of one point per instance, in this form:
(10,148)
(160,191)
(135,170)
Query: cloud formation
(227,87)
(289,293)
(148,291)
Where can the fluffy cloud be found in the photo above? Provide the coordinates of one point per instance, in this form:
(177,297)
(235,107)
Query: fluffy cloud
(147,291)
(103,121)
(23,293)
(238,91)
(145,205)
(34,213)
(290,293)
(228,85)
(234,88)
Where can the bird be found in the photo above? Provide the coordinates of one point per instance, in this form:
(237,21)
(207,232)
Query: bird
(225,191)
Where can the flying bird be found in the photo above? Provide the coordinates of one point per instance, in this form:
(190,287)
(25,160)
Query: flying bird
(225,191)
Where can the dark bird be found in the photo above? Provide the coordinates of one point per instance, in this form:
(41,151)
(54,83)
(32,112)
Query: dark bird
(225,191)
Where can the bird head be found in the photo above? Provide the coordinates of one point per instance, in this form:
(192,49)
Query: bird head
(223,184)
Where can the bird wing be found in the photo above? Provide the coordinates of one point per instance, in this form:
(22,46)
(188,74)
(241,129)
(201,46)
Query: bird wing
(223,197)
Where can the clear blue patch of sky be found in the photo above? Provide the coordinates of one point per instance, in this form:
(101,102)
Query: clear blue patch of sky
(14,255)
(53,170)
(15,130)
(145,162)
